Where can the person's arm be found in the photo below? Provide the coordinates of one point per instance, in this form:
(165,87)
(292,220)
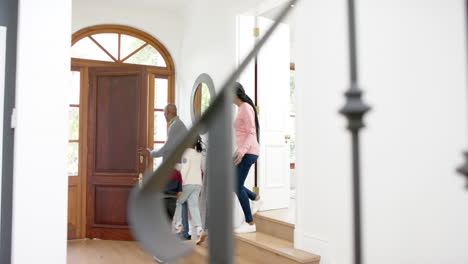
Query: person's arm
(163,151)
(156,153)
(174,135)
(248,116)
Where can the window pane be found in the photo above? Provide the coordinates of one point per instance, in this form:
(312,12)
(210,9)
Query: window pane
(160,126)
(73,159)
(160,60)
(110,41)
(74,91)
(160,93)
(87,49)
(292,141)
(129,44)
(74,123)
(147,56)
(157,161)
(292,86)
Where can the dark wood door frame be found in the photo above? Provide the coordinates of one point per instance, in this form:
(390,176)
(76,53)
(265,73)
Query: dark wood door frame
(83,66)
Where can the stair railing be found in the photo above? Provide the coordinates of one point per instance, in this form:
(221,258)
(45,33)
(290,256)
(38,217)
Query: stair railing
(354,110)
(147,213)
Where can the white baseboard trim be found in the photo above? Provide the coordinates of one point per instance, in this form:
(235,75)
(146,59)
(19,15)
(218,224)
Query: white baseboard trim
(312,244)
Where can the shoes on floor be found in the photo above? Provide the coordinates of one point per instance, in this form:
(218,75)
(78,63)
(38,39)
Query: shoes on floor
(201,238)
(184,236)
(245,228)
(256,205)
(177,228)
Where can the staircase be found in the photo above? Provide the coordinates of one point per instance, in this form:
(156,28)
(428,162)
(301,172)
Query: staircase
(272,243)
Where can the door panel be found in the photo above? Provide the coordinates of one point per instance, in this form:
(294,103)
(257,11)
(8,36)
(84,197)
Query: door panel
(108,201)
(117,128)
(117,123)
(273,97)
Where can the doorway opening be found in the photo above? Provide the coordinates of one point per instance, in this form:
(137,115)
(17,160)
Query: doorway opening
(122,78)
(271,80)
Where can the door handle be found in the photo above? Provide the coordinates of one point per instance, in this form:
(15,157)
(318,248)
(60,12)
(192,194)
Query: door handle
(140,178)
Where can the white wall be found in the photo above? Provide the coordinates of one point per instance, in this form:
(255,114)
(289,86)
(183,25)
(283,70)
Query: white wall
(201,38)
(417,203)
(412,61)
(40,176)
(210,45)
(322,145)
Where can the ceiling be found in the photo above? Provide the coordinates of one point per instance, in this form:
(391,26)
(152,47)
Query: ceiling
(170,5)
(274,12)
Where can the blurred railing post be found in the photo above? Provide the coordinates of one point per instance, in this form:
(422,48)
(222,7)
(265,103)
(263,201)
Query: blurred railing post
(354,111)
(463,169)
(221,183)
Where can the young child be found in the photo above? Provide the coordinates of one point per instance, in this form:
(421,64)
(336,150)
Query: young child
(190,168)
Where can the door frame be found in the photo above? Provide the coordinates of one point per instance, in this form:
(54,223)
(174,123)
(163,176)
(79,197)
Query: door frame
(83,66)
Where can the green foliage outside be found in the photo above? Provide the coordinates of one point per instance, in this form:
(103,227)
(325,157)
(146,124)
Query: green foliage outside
(292,142)
(205,98)
(72,155)
(292,85)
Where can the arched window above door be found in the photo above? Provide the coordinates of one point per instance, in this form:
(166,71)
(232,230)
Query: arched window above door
(121,45)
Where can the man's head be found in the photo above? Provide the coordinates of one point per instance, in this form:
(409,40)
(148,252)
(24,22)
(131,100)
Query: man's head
(170,111)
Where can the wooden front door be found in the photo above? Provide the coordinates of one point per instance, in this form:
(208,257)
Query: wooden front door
(118,101)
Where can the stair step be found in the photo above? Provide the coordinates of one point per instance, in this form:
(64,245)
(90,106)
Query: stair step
(274,226)
(200,255)
(263,248)
(258,248)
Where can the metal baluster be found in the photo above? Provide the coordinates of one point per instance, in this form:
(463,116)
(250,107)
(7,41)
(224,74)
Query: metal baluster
(354,111)
(221,184)
(147,213)
(463,169)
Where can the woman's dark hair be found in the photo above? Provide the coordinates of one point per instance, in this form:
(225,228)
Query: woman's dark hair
(240,92)
(198,144)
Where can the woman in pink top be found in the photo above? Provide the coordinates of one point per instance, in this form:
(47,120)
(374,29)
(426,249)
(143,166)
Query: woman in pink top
(247,134)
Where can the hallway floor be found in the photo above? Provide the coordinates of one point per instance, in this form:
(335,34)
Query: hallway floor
(116,252)
(106,252)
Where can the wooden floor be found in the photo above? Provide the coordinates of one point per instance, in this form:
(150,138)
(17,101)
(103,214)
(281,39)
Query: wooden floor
(273,242)
(106,252)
